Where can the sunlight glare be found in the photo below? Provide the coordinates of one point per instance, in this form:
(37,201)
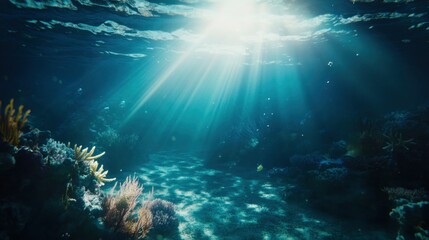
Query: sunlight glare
(232,21)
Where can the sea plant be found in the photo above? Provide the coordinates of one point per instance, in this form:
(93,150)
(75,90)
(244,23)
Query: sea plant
(120,211)
(12,122)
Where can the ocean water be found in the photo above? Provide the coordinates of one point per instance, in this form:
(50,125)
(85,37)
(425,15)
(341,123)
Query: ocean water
(235,119)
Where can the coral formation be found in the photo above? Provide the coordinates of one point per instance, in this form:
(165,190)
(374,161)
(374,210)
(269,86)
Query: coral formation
(48,211)
(120,208)
(100,174)
(29,162)
(12,124)
(34,138)
(29,209)
(83,154)
(56,152)
(410,216)
(91,201)
(412,195)
(164,220)
(141,226)
(395,142)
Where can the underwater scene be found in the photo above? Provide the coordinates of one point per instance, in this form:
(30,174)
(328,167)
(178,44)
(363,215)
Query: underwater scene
(214,119)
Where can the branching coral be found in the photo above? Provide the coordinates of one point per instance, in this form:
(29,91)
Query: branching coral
(398,193)
(99,174)
(394,141)
(84,155)
(139,227)
(410,216)
(118,206)
(12,124)
(119,209)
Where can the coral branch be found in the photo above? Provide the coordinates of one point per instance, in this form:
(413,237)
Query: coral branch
(12,124)
(99,174)
(119,207)
(84,155)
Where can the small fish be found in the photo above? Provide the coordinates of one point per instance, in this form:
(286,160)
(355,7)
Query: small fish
(260,168)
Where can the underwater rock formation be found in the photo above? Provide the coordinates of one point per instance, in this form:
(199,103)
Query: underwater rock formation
(410,216)
(28,162)
(91,201)
(45,192)
(306,162)
(35,138)
(7,162)
(55,152)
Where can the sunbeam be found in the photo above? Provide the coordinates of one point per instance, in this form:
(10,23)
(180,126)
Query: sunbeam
(229,43)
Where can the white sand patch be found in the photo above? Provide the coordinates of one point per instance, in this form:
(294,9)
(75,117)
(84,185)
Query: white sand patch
(211,204)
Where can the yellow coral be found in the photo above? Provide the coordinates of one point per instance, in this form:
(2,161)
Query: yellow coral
(84,155)
(12,124)
(99,174)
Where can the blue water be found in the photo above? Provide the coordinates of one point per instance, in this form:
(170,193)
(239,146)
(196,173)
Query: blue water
(194,95)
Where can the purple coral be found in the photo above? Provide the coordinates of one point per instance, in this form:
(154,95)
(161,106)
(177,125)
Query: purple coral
(164,218)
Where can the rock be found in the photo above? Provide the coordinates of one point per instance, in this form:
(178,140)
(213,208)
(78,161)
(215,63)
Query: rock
(7,161)
(91,202)
(279,173)
(7,148)
(338,149)
(13,218)
(28,162)
(35,137)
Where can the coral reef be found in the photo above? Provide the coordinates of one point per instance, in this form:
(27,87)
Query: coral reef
(91,201)
(51,191)
(34,138)
(399,121)
(56,152)
(391,151)
(28,161)
(164,220)
(410,211)
(120,208)
(108,137)
(411,216)
(412,195)
(45,190)
(12,124)
(334,174)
